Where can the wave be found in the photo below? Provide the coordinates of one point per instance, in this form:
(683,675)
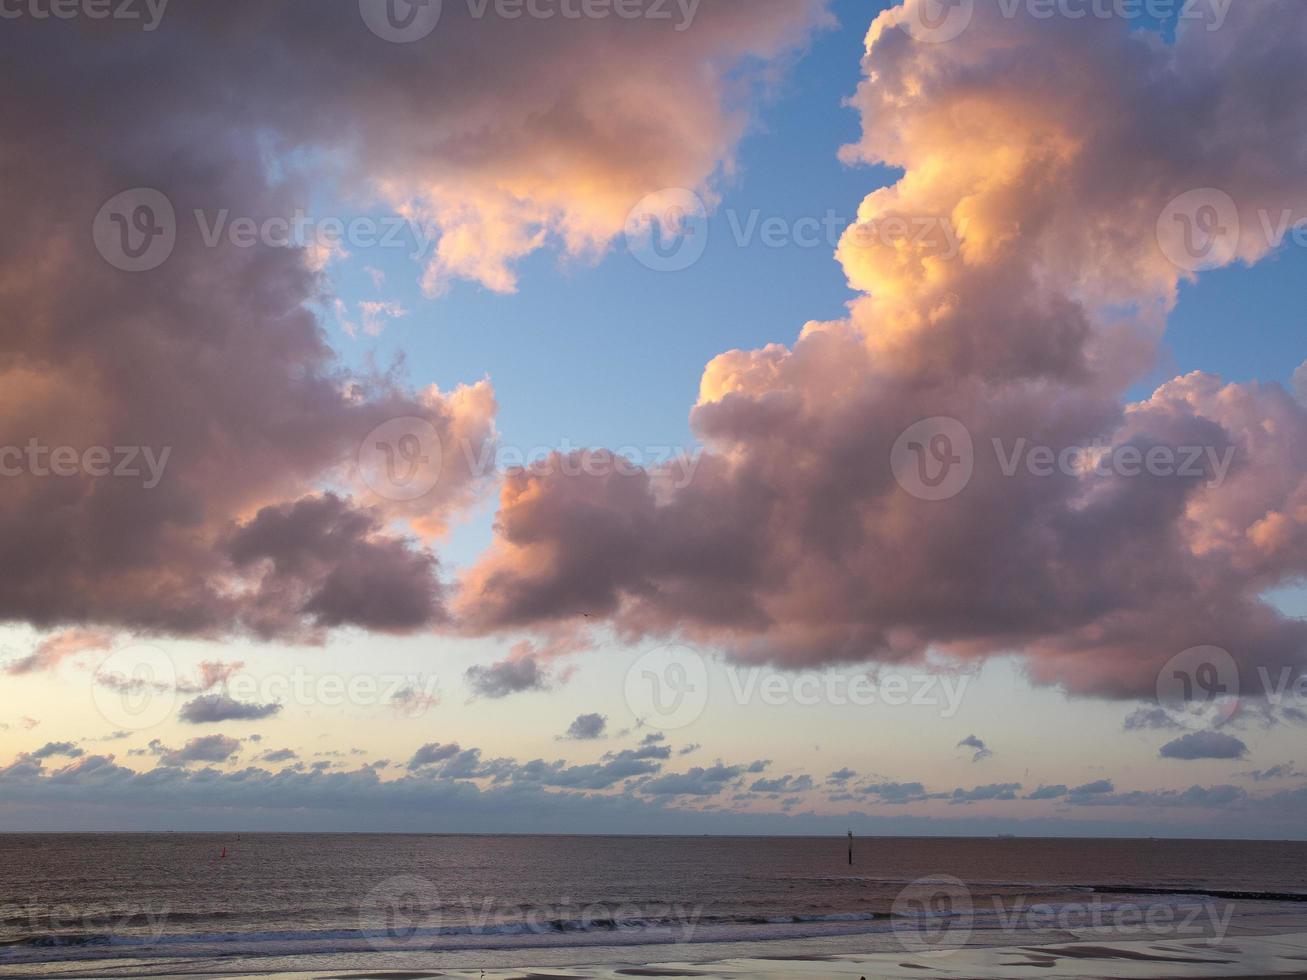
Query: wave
(690,928)
(1201,892)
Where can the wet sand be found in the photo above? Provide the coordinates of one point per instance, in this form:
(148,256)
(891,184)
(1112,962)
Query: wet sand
(1244,956)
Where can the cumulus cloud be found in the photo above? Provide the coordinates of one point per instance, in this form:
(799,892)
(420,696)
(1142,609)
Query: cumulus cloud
(1286,770)
(587,728)
(981,750)
(511,676)
(1090,791)
(433,753)
(784,784)
(279,755)
(213,364)
(50,749)
(207,748)
(1054,792)
(1204,745)
(981,794)
(699,781)
(1051,148)
(895,793)
(210,709)
(621,791)
(652,746)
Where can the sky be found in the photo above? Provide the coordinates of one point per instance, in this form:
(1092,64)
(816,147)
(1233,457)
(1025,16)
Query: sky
(750,416)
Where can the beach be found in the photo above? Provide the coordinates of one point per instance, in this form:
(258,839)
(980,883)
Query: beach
(409,907)
(1280,956)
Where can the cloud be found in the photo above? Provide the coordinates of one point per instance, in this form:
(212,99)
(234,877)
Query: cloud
(413,702)
(50,749)
(699,781)
(621,793)
(652,746)
(1210,797)
(981,750)
(1085,793)
(587,728)
(333,558)
(994,791)
(1204,745)
(1090,791)
(615,768)
(896,793)
(785,784)
(58,647)
(207,748)
(210,709)
(279,755)
(213,366)
(433,753)
(512,676)
(1051,309)
(1286,770)
(840,776)
(1148,718)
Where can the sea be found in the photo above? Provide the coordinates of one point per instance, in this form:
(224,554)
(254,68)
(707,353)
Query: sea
(119,905)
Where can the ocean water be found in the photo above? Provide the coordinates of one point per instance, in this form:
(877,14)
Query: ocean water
(172,904)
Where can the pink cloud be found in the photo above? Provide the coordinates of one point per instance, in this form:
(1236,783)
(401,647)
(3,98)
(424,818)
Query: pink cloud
(1051,149)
